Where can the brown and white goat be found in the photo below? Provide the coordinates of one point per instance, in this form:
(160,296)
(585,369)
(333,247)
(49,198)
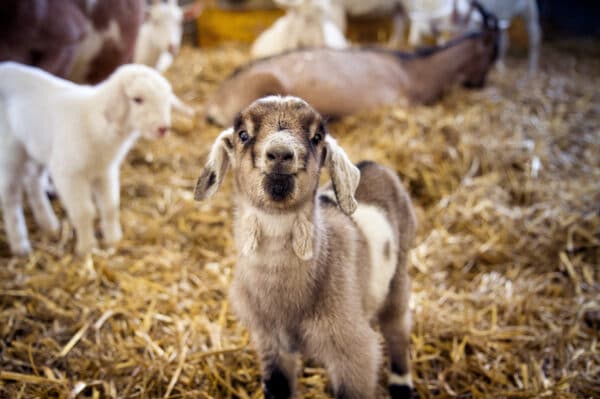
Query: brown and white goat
(80,40)
(315,271)
(343,82)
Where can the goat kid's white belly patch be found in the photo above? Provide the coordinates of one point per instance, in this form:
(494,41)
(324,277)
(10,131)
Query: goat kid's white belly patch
(373,222)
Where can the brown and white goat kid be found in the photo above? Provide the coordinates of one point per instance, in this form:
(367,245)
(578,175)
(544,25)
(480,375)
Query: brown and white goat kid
(80,40)
(310,278)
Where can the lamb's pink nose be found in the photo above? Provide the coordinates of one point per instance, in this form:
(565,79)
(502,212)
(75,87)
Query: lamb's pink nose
(162,131)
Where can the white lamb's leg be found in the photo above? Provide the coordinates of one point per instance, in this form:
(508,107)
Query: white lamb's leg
(397,36)
(502,48)
(164,61)
(535,35)
(12,169)
(414,35)
(106,192)
(35,185)
(76,194)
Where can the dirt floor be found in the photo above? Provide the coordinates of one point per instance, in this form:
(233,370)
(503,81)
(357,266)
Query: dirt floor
(506,266)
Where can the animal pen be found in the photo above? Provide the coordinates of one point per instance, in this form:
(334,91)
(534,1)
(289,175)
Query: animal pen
(505,269)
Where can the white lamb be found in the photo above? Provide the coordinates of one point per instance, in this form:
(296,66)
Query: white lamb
(160,35)
(506,11)
(432,17)
(80,134)
(426,17)
(307,23)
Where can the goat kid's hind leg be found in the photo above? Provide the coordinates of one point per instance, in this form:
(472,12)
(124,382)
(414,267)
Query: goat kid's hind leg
(35,185)
(395,324)
(106,193)
(76,195)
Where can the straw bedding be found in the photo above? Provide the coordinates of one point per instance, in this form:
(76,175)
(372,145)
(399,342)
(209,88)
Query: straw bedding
(506,276)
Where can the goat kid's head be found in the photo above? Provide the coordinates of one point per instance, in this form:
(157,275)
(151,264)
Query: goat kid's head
(276,149)
(141,100)
(486,49)
(166,21)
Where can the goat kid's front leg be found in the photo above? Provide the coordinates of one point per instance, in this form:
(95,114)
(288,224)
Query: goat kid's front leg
(352,355)
(279,367)
(106,192)
(75,192)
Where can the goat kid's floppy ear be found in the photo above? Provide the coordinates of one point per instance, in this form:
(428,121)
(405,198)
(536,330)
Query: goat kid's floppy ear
(344,175)
(217,164)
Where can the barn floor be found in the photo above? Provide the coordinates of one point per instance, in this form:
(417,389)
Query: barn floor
(506,290)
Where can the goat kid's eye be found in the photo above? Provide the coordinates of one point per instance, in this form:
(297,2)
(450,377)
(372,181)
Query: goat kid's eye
(244,136)
(138,100)
(316,138)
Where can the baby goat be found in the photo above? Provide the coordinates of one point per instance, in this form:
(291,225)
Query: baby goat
(80,134)
(307,23)
(160,35)
(310,278)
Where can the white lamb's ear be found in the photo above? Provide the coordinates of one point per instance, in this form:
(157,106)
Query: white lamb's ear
(344,175)
(217,164)
(117,106)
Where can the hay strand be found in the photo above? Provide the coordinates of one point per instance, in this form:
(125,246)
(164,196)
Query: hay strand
(505,271)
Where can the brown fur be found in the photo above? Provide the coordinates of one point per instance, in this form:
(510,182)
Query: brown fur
(301,282)
(47,33)
(42,33)
(129,15)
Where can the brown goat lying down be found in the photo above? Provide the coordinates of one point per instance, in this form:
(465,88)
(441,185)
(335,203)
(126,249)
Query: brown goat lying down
(342,82)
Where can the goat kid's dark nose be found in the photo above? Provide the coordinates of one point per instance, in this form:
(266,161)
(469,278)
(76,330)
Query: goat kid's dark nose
(280,155)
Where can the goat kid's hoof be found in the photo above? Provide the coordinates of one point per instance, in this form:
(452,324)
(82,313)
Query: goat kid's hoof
(22,248)
(402,392)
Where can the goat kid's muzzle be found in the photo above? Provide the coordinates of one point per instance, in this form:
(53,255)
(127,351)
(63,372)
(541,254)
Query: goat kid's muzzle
(279,186)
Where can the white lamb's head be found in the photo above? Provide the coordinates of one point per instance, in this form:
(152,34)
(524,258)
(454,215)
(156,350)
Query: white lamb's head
(276,149)
(308,8)
(142,101)
(166,19)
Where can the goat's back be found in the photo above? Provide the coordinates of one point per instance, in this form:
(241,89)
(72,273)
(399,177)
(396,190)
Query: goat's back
(21,79)
(386,221)
(381,187)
